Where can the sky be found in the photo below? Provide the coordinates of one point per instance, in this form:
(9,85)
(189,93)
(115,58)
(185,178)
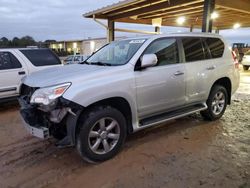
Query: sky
(62,20)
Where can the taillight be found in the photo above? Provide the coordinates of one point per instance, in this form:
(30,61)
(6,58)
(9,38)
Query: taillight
(236,62)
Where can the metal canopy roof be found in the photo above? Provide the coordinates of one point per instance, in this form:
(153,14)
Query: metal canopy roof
(143,11)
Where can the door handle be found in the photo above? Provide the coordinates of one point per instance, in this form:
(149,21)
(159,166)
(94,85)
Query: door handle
(211,68)
(21,73)
(178,73)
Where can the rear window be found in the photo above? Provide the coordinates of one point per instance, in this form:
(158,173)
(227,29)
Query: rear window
(216,47)
(41,57)
(193,49)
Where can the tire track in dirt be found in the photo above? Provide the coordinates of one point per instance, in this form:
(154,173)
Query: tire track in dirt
(31,160)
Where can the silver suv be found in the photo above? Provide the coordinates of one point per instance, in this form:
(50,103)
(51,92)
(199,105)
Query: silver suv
(127,86)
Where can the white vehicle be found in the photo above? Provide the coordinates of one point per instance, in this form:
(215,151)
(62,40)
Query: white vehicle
(246,60)
(17,63)
(75,59)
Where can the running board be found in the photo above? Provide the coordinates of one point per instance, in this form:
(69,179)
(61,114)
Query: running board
(158,119)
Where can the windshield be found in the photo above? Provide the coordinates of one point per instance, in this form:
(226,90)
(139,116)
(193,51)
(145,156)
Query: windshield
(116,53)
(70,58)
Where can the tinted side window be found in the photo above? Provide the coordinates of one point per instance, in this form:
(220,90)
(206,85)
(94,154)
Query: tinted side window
(216,47)
(41,57)
(193,49)
(166,51)
(8,61)
(206,50)
(15,63)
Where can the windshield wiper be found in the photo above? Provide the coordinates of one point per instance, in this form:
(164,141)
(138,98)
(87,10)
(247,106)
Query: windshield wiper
(99,63)
(85,62)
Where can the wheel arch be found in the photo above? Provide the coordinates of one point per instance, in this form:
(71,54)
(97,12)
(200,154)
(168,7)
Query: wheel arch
(118,103)
(225,82)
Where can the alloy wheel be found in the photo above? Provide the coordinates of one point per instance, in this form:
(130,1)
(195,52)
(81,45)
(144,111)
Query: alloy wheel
(104,135)
(218,103)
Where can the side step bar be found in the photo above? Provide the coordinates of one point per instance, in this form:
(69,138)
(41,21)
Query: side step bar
(158,119)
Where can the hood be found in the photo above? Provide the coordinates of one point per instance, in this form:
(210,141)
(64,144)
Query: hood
(63,74)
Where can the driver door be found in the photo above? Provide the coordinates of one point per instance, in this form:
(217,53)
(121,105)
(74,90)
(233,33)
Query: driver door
(162,87)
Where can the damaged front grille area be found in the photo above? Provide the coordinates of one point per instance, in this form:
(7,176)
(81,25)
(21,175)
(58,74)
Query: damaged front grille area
(30,113)
(58,119)
(38,114)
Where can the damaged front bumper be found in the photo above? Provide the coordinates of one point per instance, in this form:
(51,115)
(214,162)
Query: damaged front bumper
(31,121)
(40,132)
(46,121)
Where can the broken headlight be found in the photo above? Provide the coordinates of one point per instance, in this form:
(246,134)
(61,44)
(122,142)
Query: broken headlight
(48,95)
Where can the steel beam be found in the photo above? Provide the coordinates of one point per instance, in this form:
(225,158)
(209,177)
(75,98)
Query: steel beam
(207,22)
(136,31)
(156,7)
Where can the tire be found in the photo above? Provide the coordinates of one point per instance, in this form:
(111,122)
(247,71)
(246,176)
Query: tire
(95,128)
(216,107)
(245,67)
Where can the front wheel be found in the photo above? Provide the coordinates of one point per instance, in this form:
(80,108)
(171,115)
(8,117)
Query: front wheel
(216,103)
(101,135)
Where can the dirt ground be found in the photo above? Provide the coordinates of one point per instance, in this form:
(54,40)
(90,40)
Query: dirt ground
(188,152)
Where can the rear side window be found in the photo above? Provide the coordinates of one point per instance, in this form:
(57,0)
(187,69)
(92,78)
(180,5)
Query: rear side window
(206,50)
(41,57)
(193,49)
(216,47)
(8,61)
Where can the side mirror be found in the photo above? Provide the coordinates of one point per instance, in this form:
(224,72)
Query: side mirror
(148,60)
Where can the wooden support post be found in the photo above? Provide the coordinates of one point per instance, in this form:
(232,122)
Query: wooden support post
(157,29)
(191,28)
(207,22)
(64,46)
(111,31)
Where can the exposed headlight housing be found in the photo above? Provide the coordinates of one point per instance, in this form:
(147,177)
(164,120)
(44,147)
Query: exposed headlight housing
(47,95)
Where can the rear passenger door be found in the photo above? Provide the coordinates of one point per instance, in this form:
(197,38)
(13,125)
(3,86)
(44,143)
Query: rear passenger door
(11,72)
(200,69)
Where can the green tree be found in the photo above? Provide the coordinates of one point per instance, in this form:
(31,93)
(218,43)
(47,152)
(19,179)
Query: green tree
(15,42)
(27,41)
(4,42)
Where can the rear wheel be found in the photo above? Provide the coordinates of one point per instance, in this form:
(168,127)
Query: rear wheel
(101,135)
(217,103)
(245,67)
